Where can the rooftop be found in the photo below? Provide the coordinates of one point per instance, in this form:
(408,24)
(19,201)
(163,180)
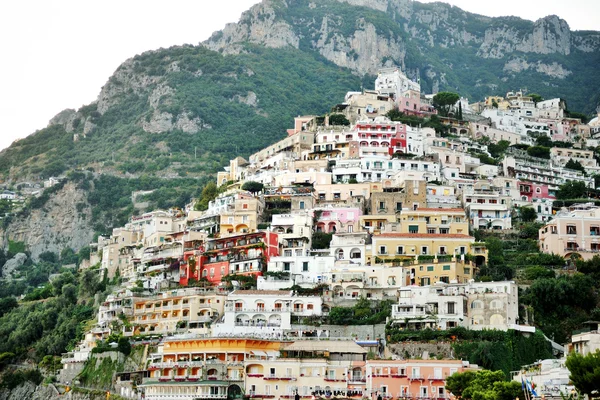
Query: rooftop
(342,346)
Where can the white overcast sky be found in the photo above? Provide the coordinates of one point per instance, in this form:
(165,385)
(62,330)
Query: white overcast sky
(57,54)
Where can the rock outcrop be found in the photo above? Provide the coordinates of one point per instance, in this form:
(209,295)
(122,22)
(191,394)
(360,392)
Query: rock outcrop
(366,47)
(12,264)
(64,221)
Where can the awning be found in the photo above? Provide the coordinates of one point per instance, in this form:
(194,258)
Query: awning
(273,354)
(258,353)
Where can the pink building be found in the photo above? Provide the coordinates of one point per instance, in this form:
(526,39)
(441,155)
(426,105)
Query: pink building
(411,379)
(531,190)
(575,232)
(339,219)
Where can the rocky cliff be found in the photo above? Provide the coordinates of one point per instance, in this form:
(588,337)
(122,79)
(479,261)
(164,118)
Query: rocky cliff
(365,35)
(65,220)
(186,110)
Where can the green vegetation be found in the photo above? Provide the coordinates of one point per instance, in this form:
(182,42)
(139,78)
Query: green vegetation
(98,372)
(253,187)
(33,328)
(585,372)
(492,385)
(364,312)
(321,240)
(444,102)
(491,349)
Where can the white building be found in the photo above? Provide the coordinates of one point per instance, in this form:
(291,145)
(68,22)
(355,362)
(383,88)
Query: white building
(487,207)
(474,305)
(265,313)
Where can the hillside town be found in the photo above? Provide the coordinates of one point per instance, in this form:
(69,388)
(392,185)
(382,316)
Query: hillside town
(232,295)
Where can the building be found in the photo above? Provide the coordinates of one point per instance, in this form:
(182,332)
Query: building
(182,310)
(194,368)
(487,207)
(265,313)
(572,231)
(417,379)
(472,305)
(243,254)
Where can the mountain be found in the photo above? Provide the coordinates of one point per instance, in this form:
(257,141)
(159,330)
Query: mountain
(169,119)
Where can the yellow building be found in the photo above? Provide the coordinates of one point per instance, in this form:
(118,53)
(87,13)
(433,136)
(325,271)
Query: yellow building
(190,309)
(244,216)
(204,368)
(431,257)
(434,220)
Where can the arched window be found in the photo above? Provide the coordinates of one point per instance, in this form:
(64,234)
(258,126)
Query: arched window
(477,304)
(497,305)
(340,254)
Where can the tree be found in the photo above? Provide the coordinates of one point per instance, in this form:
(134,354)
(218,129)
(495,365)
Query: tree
(444,101)
(338,119)
(585,372)
(572,190)
(498,149)
(575,165)
(459,381)
(483,385)
(527,214)
(253,187)
(209,193)
(460,115)
(539,151)
(544,141)
(536,98)
(321,240)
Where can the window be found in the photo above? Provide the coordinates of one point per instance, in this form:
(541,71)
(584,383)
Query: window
(443,250)
(476,304)
(413,229)
(430,268)
(382,250)
(571,230)
(305,266)
(451,310)
(398,206)
(424,250)
(446,268)
(400,250)
(286,266)
(302,205)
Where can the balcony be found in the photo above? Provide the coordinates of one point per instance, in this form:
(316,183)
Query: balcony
(271,377)
(357,379)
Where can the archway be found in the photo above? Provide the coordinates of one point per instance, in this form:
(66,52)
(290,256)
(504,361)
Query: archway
(234,392)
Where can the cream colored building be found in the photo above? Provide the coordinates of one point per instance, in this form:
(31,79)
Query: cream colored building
(244,216)
(189,310)
(572,231)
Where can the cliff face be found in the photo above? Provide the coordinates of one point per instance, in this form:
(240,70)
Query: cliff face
(365,35)
(65,220)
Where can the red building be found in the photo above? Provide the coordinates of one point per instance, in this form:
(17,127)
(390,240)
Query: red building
(244,254)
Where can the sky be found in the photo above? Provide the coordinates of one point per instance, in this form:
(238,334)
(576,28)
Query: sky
(57,54)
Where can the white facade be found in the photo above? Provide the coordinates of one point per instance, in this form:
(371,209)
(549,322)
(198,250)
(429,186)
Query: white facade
(475,305)
(267,313)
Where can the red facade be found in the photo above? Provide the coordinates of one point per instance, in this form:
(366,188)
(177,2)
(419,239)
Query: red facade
(245,254)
